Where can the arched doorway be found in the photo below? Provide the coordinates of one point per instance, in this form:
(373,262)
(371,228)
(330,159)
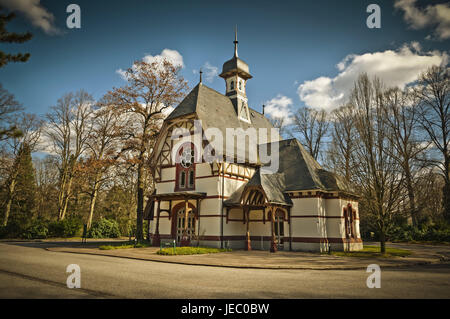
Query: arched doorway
(180,224)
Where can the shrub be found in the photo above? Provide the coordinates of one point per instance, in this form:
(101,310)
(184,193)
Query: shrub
(38,229)
(68,227)
(104,228)
(437,233)
(3,232)
(13,229)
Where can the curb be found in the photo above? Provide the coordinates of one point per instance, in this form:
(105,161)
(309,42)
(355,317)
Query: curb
(421,263)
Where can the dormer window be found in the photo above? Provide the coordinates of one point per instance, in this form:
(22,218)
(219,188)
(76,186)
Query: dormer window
(243,112)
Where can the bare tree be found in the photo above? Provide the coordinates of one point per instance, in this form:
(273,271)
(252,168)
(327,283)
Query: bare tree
(30,128)
(280,124)
(379,176)
(401,115)
(151,89)
(433,91)
(68,128)
(312,125)
(343,141)
(47,178)
(102,148)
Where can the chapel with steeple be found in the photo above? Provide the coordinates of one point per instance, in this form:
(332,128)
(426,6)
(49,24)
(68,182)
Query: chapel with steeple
(234,201)
(235,72)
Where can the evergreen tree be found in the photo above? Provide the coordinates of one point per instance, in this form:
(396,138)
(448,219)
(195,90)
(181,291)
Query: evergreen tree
(24,197)
(11,37)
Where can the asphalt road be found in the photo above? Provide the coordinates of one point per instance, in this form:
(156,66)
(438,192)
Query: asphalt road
(29,271)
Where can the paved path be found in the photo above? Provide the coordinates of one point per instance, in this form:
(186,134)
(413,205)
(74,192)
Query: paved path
(27,270)
(422,254)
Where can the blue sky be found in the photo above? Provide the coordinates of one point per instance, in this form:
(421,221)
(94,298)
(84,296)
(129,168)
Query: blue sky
(293,48)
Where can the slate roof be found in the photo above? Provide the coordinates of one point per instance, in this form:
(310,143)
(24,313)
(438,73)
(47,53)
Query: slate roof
(216,110)
(297,171)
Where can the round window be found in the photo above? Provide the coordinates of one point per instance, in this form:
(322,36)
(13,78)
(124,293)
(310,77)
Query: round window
(187,158)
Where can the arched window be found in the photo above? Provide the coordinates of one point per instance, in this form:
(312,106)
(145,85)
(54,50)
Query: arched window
(240,85)
(232,85)
(185,168)
(349,217)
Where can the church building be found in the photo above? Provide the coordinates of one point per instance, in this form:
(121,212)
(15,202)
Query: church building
(235,202)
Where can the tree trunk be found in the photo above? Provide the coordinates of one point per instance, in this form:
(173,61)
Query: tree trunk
(382,242)
(11,189)
(66,198)
(61,194)
(93,200)
(412,200)
(446,191)
(140,203)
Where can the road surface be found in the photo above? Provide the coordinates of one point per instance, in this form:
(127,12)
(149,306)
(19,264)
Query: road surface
(27,270)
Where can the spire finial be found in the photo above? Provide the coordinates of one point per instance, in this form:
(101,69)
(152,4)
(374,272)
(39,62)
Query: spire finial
(235,42)
(201,72)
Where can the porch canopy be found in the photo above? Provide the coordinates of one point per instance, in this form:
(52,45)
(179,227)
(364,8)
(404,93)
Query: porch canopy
(262,192)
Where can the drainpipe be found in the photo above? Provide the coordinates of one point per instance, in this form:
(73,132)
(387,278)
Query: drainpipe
(221,206)
(290,229)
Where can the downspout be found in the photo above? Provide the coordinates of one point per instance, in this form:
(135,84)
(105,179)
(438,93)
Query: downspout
(198,222)
(290,229)
(221,206)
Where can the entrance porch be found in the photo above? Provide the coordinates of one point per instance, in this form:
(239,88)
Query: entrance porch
(255,209)
(183,212)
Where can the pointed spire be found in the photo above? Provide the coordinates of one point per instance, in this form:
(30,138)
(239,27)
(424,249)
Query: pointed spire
(201,72)
(235,42)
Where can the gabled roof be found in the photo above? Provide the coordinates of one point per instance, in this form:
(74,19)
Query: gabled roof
(303,172)
(216,110)
(297,171)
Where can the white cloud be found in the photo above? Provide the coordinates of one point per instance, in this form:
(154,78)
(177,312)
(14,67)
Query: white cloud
(172,56)
(209,71)
(35,12)
(280,107)
(395,68)
(122,73)
(437,16)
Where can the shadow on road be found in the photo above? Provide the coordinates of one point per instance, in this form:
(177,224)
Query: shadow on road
(62,243)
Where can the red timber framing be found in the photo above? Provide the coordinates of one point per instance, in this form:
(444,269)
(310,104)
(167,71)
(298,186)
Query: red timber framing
(172,211)
(254,198)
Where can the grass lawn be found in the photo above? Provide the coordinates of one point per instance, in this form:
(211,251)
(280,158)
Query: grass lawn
(190,251)
(122,246)
(424,242)
(373,251)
